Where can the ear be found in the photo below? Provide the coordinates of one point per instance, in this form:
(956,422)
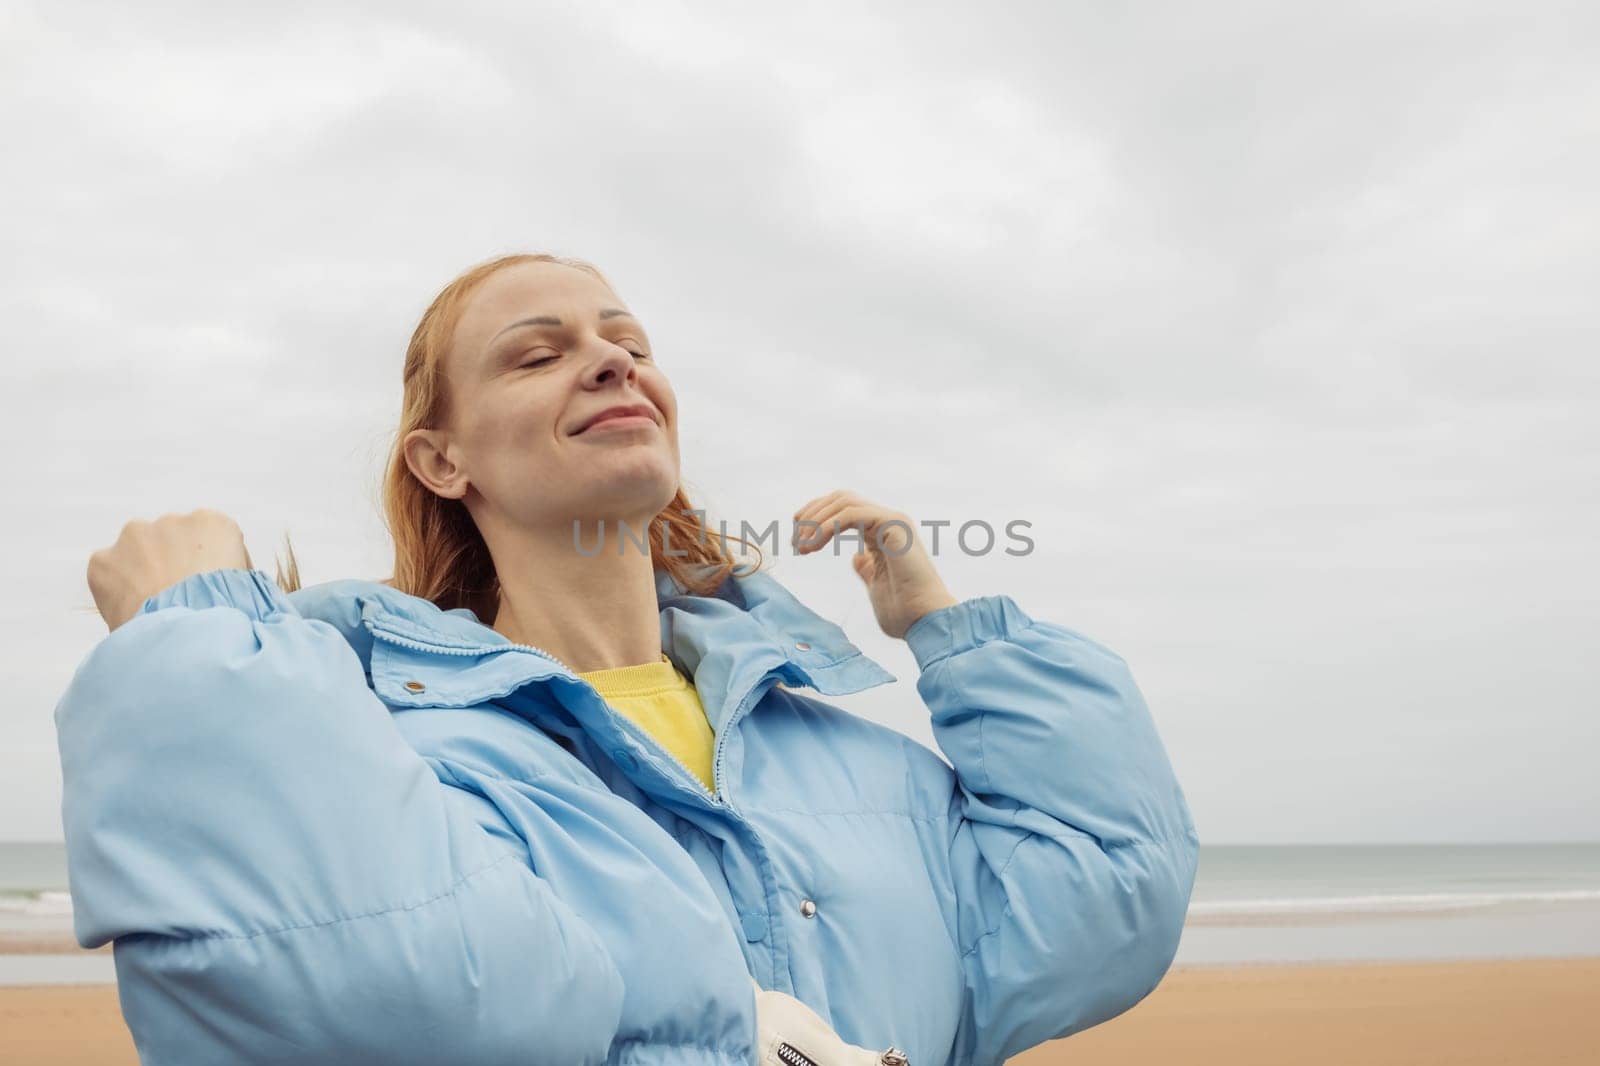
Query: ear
(429,455)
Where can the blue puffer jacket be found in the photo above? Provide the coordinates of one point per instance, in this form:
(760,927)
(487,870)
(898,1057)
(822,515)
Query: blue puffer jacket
(344,826)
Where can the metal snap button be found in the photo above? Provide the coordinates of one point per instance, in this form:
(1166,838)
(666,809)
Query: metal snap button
(802,645)
(807,908)
(894,1057)
(415,686)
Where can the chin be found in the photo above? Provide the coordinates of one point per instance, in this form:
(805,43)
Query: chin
(644,488)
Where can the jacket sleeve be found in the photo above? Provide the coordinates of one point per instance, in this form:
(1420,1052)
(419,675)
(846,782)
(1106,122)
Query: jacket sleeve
(284,878)
(1072,849)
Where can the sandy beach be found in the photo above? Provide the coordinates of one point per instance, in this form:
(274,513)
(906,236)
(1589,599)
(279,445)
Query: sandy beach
(1525,1013)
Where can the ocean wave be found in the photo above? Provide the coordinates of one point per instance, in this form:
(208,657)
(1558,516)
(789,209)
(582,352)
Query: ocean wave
(1395,903)
(48,903)
(43,903)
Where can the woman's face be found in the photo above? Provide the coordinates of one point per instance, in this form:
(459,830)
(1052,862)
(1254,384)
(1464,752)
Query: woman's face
(540,349)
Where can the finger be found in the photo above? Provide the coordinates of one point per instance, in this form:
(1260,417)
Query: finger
(815,502)
(885,530)
(866,566)
(831,517)
(822,528)
(807,523)
(816,507)
(806,516)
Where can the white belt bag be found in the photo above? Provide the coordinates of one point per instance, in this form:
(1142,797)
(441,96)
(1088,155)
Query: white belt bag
(789,1033)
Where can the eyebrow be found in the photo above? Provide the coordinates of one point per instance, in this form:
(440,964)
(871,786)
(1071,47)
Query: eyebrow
(552,320)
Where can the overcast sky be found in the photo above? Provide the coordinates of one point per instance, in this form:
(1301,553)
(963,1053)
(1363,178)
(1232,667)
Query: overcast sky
(1278,324)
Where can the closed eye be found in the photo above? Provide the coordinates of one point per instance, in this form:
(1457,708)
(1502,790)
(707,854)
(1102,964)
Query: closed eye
(551,358)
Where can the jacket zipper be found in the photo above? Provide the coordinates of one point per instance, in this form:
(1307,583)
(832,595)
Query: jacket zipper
(790,1055)
(733,720)
(627,722)
(713,797)
(651,742)
(449,649)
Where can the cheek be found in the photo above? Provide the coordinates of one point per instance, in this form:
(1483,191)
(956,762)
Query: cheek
(663,397)
(512,424)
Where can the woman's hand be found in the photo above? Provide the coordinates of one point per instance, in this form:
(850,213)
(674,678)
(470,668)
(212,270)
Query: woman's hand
(899,574)
(149,556)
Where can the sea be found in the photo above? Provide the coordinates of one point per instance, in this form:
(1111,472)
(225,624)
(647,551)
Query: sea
(1252,904)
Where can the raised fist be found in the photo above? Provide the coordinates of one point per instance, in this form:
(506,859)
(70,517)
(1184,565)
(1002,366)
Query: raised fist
(149,556)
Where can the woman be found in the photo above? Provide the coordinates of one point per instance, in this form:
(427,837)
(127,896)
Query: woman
(437,818)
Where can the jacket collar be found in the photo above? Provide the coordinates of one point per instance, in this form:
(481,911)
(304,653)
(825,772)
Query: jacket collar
(745,626)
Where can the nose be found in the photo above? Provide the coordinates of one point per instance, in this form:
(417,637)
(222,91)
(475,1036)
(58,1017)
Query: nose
(613,362)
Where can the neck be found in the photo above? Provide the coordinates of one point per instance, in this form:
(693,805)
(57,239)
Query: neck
(593,612)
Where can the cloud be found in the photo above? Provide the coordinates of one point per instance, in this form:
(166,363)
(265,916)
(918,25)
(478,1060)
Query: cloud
(1276,324)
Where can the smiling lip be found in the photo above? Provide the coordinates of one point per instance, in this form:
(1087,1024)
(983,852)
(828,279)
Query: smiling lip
(625,414)
(623,422)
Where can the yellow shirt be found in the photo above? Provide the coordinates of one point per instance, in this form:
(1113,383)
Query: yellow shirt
(664,703)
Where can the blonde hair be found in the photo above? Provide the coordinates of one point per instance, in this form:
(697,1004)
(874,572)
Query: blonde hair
(439,554)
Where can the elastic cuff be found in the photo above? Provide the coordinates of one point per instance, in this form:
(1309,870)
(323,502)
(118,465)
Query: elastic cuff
(960,626)
(251,591)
